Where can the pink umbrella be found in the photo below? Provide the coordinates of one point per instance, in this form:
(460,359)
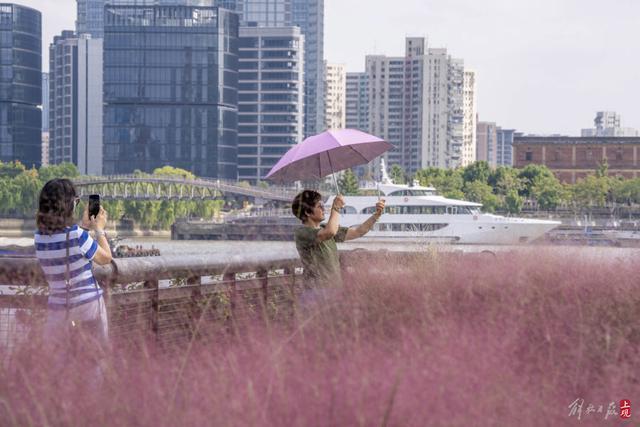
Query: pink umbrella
(326,153)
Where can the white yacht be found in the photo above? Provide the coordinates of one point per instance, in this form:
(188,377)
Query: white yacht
(417,213)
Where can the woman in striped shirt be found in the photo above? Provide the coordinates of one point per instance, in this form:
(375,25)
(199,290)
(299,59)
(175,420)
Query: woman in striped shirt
(66,252)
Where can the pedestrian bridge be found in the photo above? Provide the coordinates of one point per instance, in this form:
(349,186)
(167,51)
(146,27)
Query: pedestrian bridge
(136,187)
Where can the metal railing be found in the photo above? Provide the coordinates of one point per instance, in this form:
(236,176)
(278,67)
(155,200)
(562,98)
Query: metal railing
(168,299)
(269,193)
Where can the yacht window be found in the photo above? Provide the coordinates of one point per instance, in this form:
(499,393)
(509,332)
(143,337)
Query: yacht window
(411,227)
(409,210)
(384,227)
(411,193)
(348,210)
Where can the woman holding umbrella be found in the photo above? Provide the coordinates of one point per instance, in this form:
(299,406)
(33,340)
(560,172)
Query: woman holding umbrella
(315,158)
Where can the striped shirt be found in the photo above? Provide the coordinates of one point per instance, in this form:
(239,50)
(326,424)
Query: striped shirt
(51,251)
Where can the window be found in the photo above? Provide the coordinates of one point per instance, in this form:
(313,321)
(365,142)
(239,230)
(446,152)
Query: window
(528,156)
(410,227)
(348,210)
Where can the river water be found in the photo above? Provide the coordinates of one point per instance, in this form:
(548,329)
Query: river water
(195,247)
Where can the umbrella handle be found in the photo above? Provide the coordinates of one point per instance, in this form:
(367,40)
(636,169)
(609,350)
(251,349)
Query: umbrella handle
(335,181)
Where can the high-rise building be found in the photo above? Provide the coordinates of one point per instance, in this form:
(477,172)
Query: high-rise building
(335,96)
(270,97)
(470,116)
(454,143)
(357,102)
(385,77)
(422,104)
(504,145)
(75,102)
(357,110)
(306,14)
(609,123)
(90,17)
(45,102)
(170,89)
(20,84)
(309,16)
(44,158)
(486,149)
(90,13)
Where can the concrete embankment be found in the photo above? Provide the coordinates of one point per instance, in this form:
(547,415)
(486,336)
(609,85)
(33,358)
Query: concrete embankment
(15,228)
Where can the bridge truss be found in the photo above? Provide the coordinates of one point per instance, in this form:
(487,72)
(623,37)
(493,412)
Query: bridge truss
(134,187)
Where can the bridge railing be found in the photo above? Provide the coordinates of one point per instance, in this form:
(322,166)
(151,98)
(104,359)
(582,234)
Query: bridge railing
(271,193)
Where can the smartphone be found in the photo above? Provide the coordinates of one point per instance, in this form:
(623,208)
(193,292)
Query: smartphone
(94,205)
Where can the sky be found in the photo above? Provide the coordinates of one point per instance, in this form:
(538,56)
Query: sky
(542,66)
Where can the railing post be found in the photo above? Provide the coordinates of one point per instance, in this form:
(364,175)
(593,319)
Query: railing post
(263,277)
(154,287)
(290,271)
(230,278)
(195,309)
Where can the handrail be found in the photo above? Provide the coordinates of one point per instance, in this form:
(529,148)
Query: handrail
(20,271)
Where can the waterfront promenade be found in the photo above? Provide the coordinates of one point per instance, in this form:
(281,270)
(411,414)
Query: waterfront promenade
(423,338)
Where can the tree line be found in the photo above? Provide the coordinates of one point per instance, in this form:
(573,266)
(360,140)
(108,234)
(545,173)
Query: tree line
(504,189)
(20,188)
(508,189)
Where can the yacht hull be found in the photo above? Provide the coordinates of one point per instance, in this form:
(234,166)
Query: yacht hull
(485,229)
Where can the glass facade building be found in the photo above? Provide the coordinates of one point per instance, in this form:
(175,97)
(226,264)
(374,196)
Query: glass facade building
(90,17)
(270,97)
(309,16)
(90,13)
(20,84)
(504,146)
(75,102)
(170,89)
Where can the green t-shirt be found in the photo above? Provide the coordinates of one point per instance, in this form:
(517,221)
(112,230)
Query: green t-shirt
(319,259)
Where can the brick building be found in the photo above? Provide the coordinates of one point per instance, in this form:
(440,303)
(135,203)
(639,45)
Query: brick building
(572,158)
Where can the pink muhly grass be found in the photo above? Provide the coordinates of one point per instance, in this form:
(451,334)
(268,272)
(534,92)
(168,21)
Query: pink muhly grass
(444,340)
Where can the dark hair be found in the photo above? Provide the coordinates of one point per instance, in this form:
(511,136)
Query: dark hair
(304,203)
(56,205)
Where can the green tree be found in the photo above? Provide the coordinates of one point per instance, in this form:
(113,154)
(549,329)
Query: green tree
(28,187)
(397,175)
(427,177)
(477,171)
(114,208)
(504,179)
(62,170)
(10,194)
(603,169)
(626,191)
(590,191)
(480,192)
(450,184)
(11,169)
(170,171)
(513,202)
(348,183)
(528,176)
(547,191)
